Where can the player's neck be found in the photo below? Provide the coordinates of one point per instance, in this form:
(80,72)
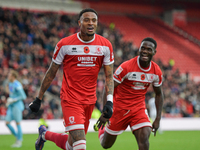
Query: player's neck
(144,65)
(85,37)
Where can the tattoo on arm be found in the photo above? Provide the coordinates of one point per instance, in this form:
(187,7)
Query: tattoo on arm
(49,76)
(109,79)
(109,86)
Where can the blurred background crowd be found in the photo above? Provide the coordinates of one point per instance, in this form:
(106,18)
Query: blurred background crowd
(27,42)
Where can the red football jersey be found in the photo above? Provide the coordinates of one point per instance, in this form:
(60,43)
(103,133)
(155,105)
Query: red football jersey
(81,64)
(134,81)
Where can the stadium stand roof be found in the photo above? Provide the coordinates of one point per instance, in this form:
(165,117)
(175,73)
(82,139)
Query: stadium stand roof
(45,5)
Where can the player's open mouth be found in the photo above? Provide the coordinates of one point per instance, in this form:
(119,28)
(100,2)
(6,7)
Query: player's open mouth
(145,57)
(90,29)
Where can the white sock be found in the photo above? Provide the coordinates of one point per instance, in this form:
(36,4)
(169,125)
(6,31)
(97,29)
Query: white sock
(81,144)
(43,136)
(68,147)
(101,137)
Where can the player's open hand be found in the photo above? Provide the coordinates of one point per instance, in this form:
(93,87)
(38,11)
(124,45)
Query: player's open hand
(101,122)
(35,105)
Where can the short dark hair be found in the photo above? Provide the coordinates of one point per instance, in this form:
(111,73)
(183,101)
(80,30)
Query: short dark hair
(87,10)
(150,40)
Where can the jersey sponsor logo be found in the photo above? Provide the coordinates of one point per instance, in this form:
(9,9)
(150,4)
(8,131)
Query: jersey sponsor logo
(140,85)
(86,50)
(71,120)
(119,70)
(86,61)
(98,50)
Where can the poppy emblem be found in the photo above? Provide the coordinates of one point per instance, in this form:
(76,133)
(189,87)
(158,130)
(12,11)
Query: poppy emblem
(142,77)
(86,50)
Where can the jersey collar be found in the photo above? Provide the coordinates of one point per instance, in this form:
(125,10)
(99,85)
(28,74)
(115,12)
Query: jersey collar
(146,70)
(85,41)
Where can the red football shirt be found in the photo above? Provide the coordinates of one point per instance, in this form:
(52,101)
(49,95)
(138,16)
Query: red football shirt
(134,81)
(81,64)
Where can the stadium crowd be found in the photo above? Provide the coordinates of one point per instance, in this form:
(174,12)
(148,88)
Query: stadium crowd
(27,41)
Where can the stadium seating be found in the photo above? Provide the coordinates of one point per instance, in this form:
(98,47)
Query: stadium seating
(193,28)
(170,44)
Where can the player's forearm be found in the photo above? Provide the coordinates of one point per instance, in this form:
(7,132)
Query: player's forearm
(46,82)
(107,93)
(48,78)
(104,97)
(159,104)
(109,86)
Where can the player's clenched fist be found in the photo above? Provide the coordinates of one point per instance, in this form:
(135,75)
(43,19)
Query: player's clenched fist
(35,105)
(108,109)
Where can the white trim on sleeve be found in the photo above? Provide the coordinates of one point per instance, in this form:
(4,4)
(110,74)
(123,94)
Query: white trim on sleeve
(116,80)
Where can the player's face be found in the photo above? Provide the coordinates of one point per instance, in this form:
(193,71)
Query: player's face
(146,51)
(88,23)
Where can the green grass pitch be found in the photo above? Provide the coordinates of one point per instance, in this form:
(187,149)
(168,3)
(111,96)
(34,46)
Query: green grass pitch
(169,140)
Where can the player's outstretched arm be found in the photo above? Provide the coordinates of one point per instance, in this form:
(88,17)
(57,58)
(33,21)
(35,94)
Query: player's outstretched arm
(159,104)
(46,82)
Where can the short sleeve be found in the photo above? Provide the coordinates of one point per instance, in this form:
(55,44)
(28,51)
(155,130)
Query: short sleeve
(120,73)
(158,78)
(58,55)
(108,56)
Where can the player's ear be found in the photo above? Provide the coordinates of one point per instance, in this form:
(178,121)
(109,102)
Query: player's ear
(154,51)
(79,22)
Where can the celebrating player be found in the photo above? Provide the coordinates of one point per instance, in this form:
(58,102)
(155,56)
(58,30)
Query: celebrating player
(15,106)
(82,55)
(131,80)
